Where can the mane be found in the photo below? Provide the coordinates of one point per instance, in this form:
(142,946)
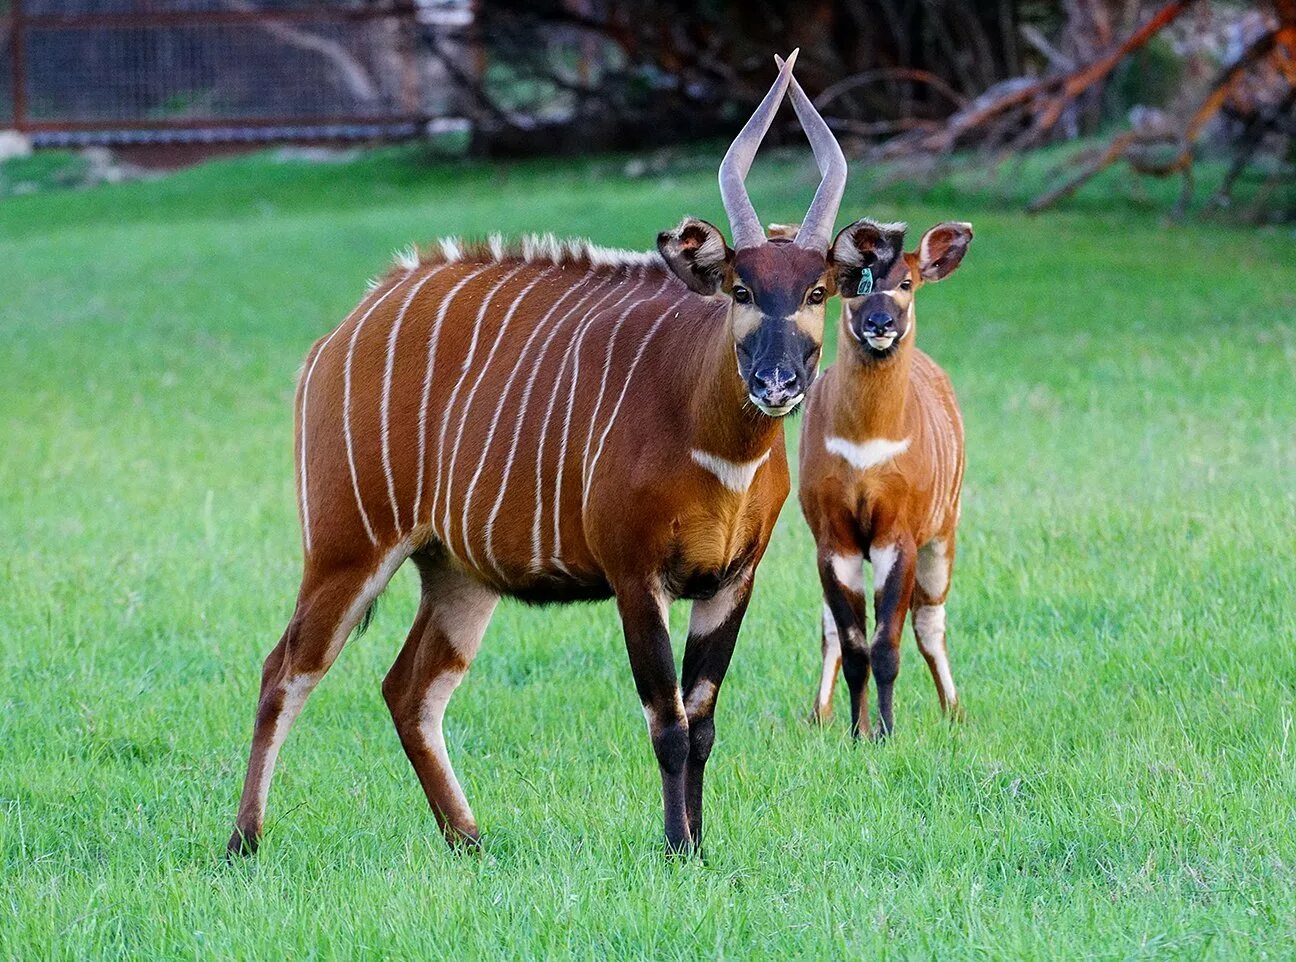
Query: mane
(529,248)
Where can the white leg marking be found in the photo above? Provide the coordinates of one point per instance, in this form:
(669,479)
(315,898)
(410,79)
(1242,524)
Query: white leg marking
(558,385)
(295,691)
(451,405)
(386,391)
(574,352)
(467,407)
(737,476)
(709,614)
(346,410)
(431,717)
(433,337)
(929,627)
(305,500)
(848,569)
(863,455)
(932,569)
(883,558)
(831,658)
(671,311)
(701,698)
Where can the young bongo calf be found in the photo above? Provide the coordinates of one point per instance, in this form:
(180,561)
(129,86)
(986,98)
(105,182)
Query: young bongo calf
(882,468)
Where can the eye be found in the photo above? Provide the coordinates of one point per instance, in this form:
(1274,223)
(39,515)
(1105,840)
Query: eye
(817,295)
(742,295)
(906,284)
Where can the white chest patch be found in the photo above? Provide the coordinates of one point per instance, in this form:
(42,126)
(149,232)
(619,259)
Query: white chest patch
(863,455)
(735,475)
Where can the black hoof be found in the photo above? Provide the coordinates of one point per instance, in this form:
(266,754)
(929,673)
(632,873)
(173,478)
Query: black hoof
(242,845)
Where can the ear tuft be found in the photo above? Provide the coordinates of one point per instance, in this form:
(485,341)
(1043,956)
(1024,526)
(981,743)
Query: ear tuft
(697,254)
(942,248)
(866,243)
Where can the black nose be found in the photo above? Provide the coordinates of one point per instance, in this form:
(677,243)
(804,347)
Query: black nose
(879,322)
(775,386)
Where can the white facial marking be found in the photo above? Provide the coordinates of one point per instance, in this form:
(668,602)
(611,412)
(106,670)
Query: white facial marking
(880,343)
(863,455)
(883,558)
(737,476)
(776,412)
(848,569)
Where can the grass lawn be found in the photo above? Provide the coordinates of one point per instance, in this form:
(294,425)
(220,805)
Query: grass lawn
(1122,622)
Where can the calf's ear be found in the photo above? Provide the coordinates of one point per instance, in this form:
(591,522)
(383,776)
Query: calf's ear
(942,248)
(865,244)
(697,254)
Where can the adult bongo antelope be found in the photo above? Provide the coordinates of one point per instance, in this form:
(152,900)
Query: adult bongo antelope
(556,422)
(882,468)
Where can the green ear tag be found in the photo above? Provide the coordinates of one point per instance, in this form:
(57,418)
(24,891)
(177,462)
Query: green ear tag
(866,283)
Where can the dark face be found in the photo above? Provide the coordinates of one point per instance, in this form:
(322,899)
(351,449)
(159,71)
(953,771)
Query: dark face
(778,292)
(880,320)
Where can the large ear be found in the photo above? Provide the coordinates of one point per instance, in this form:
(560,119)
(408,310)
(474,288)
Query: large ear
(697,253)
(865,243)
(942,248)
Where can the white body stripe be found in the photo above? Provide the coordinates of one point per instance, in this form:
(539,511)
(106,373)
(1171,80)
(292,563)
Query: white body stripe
(558,383)
(523,357)
(464,369)
(346,409)
(434,335)
(737,476)
(573,352)
(490,435)
(866,454)
(385,413)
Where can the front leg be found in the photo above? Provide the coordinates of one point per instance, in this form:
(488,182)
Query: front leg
(713,631)
(643,608)
(842,576)
(893,581)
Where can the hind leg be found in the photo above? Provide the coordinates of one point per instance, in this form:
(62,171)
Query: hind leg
(452,617)
(329,606)
(935,563)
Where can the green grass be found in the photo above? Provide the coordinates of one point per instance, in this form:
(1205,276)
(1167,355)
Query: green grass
(1122,618)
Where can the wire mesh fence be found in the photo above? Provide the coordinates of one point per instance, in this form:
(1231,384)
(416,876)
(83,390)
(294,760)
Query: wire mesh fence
(84,71)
